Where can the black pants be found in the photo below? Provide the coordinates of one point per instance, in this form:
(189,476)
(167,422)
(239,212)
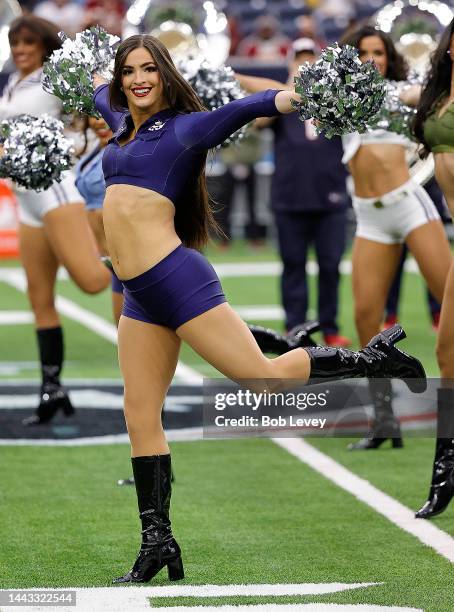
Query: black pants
(296,232)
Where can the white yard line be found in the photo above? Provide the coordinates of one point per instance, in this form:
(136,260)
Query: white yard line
(274,268)
(172,435)
(137,599)
(15,317)
(397,513)
(16,278)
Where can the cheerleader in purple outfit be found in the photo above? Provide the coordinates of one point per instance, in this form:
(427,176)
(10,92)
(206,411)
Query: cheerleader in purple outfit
(156,214)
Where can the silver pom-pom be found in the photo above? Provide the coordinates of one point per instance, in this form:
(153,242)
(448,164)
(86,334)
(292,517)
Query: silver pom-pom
(215,86)
(35,152)
(68,72)
(394,115)
(339,92)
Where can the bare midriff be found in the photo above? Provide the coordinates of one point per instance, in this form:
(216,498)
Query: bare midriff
(139,226)
(444,173)
(378,169)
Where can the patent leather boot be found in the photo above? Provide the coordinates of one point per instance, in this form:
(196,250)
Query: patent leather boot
(385,425)
(52,399)
(159,548)
(271,341)
(442,485)
(379,359)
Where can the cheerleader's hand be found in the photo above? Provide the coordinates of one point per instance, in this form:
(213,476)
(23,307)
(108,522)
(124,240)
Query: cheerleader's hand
(98,80)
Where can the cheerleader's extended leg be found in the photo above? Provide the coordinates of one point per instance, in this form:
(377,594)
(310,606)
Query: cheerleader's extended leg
(72,240)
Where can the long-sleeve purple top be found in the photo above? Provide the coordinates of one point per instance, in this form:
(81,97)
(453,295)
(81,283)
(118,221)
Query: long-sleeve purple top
(169,147)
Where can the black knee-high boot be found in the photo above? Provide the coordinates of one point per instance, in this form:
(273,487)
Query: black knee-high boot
(385,423)
(379,359)
(442,485)
(159,548)
(52,395)
(271,341)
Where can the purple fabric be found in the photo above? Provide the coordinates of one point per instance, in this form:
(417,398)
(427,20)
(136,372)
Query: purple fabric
(117,285)
(180,287)
(169,148)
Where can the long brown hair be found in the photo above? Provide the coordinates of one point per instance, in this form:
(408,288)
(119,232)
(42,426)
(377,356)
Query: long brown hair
(436,87)
(193,217)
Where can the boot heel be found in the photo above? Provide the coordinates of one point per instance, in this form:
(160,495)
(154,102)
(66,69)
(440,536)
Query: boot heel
(394,334)
(175,569)
(67,407)
(397,442)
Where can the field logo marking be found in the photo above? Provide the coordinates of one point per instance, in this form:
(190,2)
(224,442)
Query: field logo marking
(137,599)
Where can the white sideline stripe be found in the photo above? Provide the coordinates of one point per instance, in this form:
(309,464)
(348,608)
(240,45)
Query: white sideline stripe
(93,322)
(384,504)
(274,268)
(114,382)
(186,434)
(261,313)
(241,269)
(15,317)
(93,398)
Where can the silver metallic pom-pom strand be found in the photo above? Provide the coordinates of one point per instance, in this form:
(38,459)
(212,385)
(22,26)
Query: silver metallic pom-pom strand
(68,72)
(339,92)
(35,151)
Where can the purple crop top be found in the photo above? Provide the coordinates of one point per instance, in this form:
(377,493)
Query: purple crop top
(169,146)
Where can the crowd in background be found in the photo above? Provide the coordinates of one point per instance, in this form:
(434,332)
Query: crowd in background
(259,29)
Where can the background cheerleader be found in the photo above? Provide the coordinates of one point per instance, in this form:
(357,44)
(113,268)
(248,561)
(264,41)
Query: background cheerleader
(390,209)
(53,226)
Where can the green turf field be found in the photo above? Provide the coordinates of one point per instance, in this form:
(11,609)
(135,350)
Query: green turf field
(244,511)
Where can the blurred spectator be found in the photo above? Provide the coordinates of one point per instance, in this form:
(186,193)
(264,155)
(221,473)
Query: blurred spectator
(232,169)
(309,200)
(67,15)
(336,8)
(234,32)
(266,43)
(307,27)
(106,13)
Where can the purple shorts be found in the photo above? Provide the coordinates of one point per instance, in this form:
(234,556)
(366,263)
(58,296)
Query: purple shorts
(180,287)
(117,285)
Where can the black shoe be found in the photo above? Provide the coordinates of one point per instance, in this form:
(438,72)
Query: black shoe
(53,399)
(385,425)
(299,336)
(271,341)
(159,548)
(442,485)
(379,359)
(379,434)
